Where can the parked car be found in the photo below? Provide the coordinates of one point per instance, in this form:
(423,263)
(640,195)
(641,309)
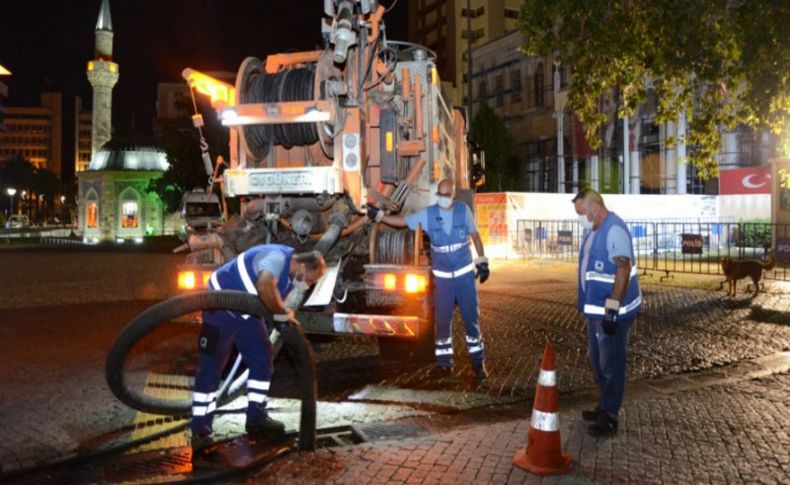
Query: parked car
(17,222)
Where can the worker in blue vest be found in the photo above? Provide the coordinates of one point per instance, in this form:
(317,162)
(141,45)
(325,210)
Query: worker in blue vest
(450,225)
(269,271)
(609,298)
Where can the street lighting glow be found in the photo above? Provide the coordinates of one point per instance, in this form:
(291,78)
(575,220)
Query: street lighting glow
(11,191)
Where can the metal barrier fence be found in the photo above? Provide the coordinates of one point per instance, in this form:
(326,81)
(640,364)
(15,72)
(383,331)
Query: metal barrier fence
(669,246)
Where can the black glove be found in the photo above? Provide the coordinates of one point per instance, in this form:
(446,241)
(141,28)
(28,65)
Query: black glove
(609,322)
(282,322)
(374,213)
(481,264)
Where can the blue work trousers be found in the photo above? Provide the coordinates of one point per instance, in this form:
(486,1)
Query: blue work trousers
(449,292)
(607,357)
(221,331)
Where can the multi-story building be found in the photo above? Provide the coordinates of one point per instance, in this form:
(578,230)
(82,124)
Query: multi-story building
(35,133)
(445,27)
(3,96)
(530,94)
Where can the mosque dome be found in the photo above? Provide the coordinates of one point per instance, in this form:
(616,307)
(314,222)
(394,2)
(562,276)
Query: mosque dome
(129,155)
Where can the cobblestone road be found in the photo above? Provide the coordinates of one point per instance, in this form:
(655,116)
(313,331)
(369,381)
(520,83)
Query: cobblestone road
(57,320)
(736,433)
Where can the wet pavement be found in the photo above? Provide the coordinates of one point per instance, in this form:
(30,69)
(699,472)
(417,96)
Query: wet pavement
(59,318)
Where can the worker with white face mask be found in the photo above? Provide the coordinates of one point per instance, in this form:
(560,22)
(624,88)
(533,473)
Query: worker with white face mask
(450,225)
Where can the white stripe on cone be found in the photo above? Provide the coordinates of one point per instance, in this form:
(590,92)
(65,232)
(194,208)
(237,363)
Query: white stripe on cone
(545,421)
(547,378)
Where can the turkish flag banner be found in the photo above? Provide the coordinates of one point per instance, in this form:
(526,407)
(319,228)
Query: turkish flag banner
(752,180)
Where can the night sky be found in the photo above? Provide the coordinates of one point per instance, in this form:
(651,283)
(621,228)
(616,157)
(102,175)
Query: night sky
(46,44)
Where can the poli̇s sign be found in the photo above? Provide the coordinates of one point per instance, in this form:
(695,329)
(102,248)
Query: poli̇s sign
(783,248)
(692,243)
(752,180)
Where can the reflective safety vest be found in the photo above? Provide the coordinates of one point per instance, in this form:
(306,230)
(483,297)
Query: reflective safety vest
(599,275)
(451,255)
(239,274)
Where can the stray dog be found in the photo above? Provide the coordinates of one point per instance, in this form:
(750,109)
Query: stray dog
(737,269)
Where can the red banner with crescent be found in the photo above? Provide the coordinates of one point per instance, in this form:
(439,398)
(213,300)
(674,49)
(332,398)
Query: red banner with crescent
(752,180)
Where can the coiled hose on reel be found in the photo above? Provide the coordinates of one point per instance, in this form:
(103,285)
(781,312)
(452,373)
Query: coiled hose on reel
(287,85)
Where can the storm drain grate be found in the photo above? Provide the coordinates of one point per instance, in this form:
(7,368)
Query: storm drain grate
(369,432)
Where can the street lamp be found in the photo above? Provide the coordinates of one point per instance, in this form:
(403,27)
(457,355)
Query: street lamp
(11,192)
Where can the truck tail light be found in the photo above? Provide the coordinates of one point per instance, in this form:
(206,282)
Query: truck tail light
(390,282)
(415,283)
(186,280)
(193,280)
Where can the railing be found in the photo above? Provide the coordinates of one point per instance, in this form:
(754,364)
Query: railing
(682,246)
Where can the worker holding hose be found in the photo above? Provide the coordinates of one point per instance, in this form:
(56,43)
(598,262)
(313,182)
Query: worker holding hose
(270,271)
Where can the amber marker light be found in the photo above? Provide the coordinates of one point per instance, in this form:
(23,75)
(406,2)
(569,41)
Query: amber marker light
(390,282)
(186,280)
(415,283)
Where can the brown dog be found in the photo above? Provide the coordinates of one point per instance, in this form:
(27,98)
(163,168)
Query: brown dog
(737,269)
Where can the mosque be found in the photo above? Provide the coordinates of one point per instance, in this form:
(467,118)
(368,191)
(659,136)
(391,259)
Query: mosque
(114,204)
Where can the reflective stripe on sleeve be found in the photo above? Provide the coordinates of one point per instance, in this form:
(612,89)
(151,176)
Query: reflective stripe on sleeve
(214,282)
(245,277)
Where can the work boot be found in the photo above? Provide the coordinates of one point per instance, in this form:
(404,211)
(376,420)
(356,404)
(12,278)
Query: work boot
(603,427)
(440,372)
(591,415)
(480,371)
(201,441)
(266,427)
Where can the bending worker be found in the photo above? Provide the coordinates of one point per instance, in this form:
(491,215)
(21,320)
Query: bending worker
(609,298)
(450,224)
(270,271)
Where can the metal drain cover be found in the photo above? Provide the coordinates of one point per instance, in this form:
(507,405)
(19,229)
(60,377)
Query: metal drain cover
(368,432)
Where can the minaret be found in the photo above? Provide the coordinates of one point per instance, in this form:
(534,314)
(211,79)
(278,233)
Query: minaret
(102,74)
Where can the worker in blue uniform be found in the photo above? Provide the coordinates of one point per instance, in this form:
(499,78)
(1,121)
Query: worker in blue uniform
(269,271)
(609,298)
(450,225)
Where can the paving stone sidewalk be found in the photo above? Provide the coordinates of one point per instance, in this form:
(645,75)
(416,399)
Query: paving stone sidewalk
(727,433)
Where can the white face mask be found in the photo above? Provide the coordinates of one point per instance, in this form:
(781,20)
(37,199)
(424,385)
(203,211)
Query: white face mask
(584,222)
(444,202)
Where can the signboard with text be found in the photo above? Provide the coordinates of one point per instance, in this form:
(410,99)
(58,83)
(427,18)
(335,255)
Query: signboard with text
(783,248)
(692,243)
(490,212)
(565,238)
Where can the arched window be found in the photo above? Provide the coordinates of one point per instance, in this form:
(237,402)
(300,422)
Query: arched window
(92,210)
(130,209)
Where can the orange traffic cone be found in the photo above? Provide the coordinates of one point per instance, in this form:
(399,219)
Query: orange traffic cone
(543,454)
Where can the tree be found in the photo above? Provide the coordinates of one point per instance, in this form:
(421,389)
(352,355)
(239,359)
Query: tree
(720,62)
(38,184)
(491,134)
